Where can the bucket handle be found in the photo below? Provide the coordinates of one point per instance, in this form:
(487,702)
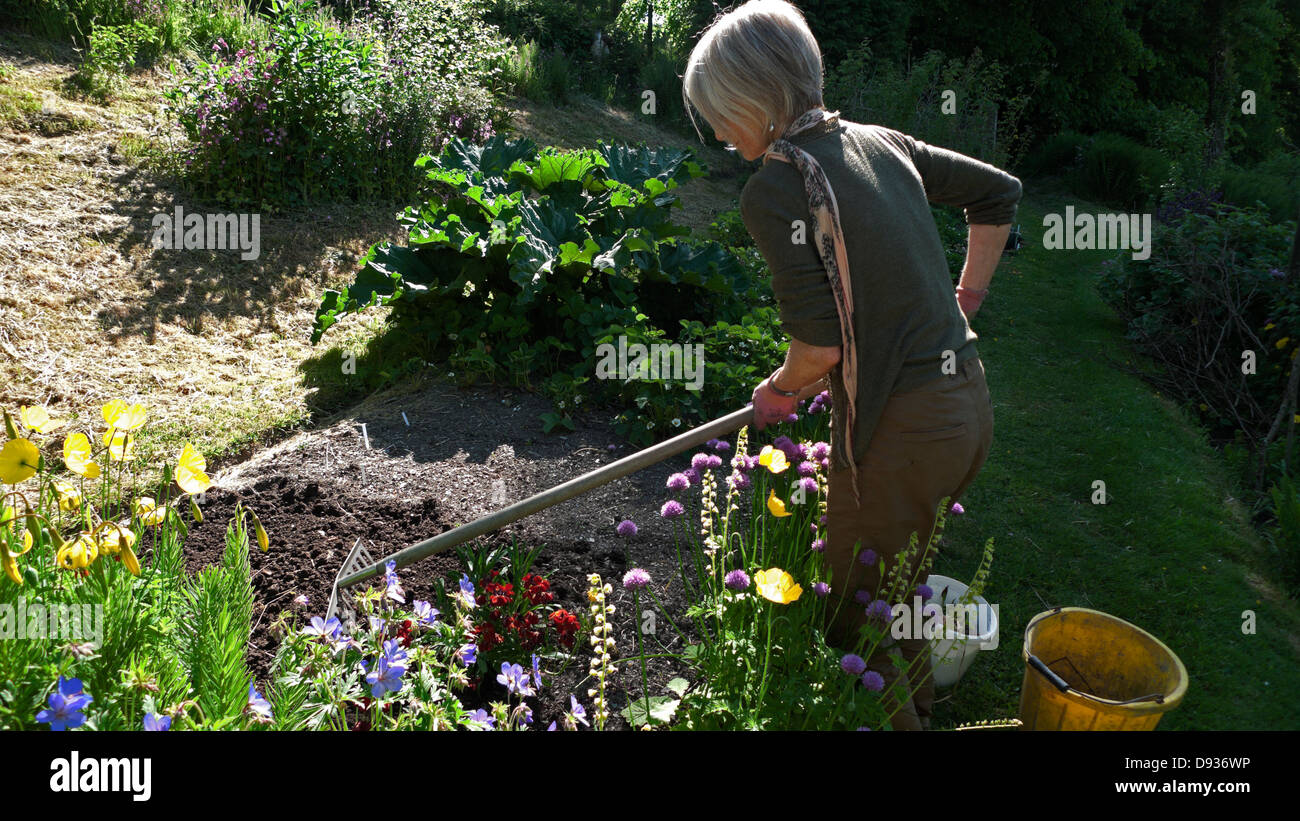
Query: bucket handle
(1064,686)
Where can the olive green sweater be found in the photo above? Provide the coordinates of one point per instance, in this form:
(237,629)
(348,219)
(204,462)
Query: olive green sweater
(905,311)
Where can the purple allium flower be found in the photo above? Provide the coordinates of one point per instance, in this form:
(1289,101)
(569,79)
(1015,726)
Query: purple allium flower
(692,475)
(867,557)
(809,484)
(671,508)
(924,591)
(818,546)
(157,724)
(822,589)
(862,597)
(468,654)
(425,612)
(678,481)
(957,508)
(853,664)
(737,580)
(739,481)
(880,609)
(66,705)
(813,529)
(714,460)
(700,462)
(635,579)
(257,704)
(721,445)
(820,450)
(873,681)
(822,520)
(515,679)
(626,528)
(787,446)
(807,469)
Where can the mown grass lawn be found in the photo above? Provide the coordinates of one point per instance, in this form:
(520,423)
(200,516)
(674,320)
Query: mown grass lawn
(1171,551)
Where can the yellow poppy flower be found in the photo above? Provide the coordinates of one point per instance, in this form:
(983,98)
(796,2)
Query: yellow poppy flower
(18,461)
(190,471)
(76,455)
(114,537)
(69,496)
(776,585)
(262,540)
(776,506)
(773,459)
(9,521)
(147,511)
(120,416)
(1270,326)
(1281,343)
(10,567)
(120,444)
(79,554)
(38,419)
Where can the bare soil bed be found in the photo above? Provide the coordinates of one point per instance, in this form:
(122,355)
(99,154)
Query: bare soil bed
(464,453)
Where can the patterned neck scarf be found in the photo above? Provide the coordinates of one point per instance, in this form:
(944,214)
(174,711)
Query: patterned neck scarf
(830,247)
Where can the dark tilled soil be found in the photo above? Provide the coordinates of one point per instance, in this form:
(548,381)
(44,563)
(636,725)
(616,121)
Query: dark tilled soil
(458,455)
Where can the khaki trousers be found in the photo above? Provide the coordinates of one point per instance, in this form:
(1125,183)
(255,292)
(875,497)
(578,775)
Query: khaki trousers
(929,443)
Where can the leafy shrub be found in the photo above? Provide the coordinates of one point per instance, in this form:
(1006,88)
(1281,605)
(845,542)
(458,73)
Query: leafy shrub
(985,124)
(1275,183)
(320,112)
(1216,288)
(540,76)
(540,257)
(1119,172)
(1286,534)
(111,54)
(1059,154)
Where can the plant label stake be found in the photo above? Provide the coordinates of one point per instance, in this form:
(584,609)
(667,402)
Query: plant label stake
(340,601)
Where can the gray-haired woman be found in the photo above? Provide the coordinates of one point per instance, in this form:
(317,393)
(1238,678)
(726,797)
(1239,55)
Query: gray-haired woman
(840,212)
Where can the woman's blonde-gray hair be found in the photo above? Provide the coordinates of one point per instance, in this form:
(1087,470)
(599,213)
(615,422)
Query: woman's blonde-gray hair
(756,65)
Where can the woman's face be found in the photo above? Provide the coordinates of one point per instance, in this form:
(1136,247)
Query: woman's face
(749,143)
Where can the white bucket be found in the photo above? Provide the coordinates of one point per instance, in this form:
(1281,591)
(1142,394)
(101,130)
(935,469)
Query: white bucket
(950,657)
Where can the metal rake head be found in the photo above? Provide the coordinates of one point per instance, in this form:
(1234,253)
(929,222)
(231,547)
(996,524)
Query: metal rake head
(340,601)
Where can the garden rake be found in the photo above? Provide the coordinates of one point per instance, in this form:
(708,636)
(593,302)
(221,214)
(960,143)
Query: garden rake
(359,565)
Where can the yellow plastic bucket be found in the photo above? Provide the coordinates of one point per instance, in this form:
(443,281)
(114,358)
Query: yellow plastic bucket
(1086,670)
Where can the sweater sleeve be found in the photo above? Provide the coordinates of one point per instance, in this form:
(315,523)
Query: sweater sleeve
(770,203)
(988,194)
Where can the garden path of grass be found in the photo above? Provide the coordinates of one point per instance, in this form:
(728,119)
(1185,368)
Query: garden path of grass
(1172,551)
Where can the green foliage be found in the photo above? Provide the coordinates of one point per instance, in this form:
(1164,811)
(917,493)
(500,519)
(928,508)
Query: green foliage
(986,120)
(1286,534)
(1061,154)
(524,262)
(1218,284)
(1119,172)
(541,76)
(112,52)
(1274,183)
(320,111)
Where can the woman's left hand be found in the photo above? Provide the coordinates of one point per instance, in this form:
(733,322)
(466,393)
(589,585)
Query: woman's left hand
(770,407)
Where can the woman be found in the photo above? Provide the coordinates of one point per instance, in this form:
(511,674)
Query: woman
(839,211)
